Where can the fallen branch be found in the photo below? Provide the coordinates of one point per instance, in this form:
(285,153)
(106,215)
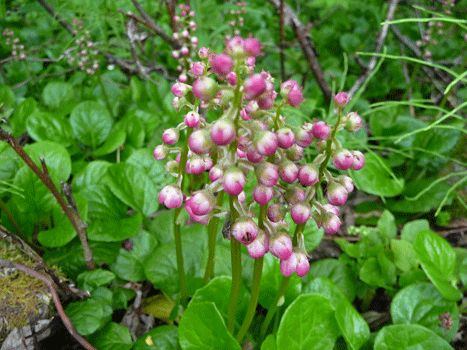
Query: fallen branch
(48,281)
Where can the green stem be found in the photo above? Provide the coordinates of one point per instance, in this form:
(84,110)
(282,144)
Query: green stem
(236,261)
(212,234)
(272,310)
(257,272)
(180,264)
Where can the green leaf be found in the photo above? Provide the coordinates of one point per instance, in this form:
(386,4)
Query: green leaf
(269,343)
(90,280)
(412,228)
(336,271)
(120,297)
(63,231)
(405,257)
(59,95)
(88,316)
(115,139)
(43,126)
(438,260)
(202,328)
(10,162)
(112,230)
(113,337)
(135,132)
(353,326)
(93,174)
(379,271)
(144,159)
(308,323)
(376,178)
(327,288)
(7,101)
(22,113)
(408,337)
(162,337)
(387,225)
(130,264)
(218,291)
(461,264)
(412,276)
(422,304)
(133,187)
(91,123)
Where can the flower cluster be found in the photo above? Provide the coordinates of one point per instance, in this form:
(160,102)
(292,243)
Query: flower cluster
(83,55)
(252,141)
(188,42)
(16,46)
(235,18)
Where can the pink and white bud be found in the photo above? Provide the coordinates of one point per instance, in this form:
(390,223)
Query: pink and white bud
(280,245)
(341,99)
(300,212)
(347,182)
(222,64)
(288,86)
(276,212)
(294,98)
(288,171)
(358,160)
(183,78)
(308,174)
(303,137)
(240,153)
(196,165)
(331,209)
(353,123)
(252,47)
(294,153)
(267,174)
(232,78)
(262,194)
(285,138)
(342,159)
(233,181)
(203,53)
(171,196)
(266,102)
(245,230)
(336,194)
(175,54)
(289,265)
(171,136)
(192,119)
(197,69)
(179,89)
(260,246)
(244,115)
(202,202)
(303,265)
(200,219)
(172,167)
(321,130)
(215,173)
(235,47)
(223,132)
(207,163)
(184,51)
(200,142)
(242,197)
(161,152)
(254,156)
(265,142)
(205,88)
(331,223)
(254,86)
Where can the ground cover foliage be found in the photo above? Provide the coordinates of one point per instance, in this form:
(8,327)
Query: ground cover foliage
(86,94)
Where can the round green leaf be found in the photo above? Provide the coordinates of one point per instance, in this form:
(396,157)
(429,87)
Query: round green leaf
(58,95)
(113,337)
(115,139)
(88,316)
(89,280)
(93,174)
(409,337)
(44,126)
(22,113)
(202,328)
(114,229)
(91,123)
(308,323)
(353,326)
(327,288)
(422,304)
(161,337)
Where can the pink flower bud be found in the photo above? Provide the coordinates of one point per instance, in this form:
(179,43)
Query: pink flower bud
(252,47)
(203,53)
(280,245)
(171,136)
(288,86)
(242,197)
(285,138)
(192,119)
(245,230)
(196,166)
(289,265)
(202,202)
(342,159)
(171,196)
(201,219)
(179,89)
(347,182)
(215,173)
(161,152)
(262,194)
(303,137)
(244,115)
(331,223)
(254,156)
(205,88)
(294,153)
(294,195)
(341,99)
(266,102)
(223,132)
(295,97)
(321,130)
(175,54)
(222,64)
(184,51)
(233,181)
(207,163)
(353,123)
(265,142)
(358,160)
(288,171)
(197,69)
(331,209)
(303,265)
(300,212)
(267,174)
(260,246)
(200,142)
(336,194)
(276,212)
(254,86)
(308,174)
(232,78)
(235,47)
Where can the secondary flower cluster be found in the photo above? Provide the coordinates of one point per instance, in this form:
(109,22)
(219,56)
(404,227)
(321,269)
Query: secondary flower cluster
(252,141)
(83,55)
(16,46)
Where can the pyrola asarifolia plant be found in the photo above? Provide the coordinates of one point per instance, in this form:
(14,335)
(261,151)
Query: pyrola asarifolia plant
(251,141)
